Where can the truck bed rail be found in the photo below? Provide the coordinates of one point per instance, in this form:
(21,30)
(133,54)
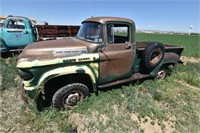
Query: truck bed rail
(168,47)
(54,31)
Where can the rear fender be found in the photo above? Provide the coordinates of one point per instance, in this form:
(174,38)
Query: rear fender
(169,59)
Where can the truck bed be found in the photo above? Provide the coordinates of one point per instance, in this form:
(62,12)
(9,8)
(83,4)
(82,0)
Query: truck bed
(168,47)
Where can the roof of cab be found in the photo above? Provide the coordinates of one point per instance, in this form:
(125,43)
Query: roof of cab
(103,20)
(17,17)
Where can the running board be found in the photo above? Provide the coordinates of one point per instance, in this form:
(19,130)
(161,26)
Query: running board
(15,50)
(135,76)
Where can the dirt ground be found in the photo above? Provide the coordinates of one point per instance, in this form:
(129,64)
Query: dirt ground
(186,59)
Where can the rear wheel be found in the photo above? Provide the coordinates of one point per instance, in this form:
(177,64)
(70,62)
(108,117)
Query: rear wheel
(162,73)
(69,95)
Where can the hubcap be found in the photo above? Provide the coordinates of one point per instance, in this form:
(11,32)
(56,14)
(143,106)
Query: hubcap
(72,99)
(161,74)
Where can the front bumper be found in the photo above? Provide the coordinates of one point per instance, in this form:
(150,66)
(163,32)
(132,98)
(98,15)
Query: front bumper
(23,94)
(27,95)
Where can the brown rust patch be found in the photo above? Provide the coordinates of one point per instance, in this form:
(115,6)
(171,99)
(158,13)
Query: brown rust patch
(115,62)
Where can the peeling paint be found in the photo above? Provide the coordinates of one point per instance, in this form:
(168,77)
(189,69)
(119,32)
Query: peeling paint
(80,58)
(87,62)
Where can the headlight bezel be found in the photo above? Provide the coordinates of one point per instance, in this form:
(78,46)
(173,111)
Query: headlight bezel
(25,75)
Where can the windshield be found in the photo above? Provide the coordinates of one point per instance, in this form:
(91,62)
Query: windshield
(91,32)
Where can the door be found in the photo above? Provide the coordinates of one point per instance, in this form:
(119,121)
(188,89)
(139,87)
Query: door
(117,57)
(16,33)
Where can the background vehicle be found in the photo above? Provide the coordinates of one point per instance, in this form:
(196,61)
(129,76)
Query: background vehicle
(17,32)
(103,54)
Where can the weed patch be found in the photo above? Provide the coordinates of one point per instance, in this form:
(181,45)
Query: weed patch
(49,120)
(8,73)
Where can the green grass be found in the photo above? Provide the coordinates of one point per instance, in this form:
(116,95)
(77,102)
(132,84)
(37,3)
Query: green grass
(173,100)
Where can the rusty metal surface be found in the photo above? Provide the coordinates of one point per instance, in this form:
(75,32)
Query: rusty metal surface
(171,57)
(45,31)
(103,20)
(135,76)
(23,94)
(115,62)
(43,50)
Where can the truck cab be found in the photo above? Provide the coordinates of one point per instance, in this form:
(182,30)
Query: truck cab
(16,33)
(115,42)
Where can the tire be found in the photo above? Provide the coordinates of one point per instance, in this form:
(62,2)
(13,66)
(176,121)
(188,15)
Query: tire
(68,96)
(153,55)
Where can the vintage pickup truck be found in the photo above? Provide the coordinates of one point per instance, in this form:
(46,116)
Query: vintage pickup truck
(103,54)
(17,32)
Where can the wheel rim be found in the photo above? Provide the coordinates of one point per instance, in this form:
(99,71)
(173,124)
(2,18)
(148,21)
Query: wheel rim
(72,99)
(156,55)
(161,74)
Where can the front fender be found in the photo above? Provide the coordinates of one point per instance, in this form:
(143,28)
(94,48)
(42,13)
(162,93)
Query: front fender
(90,69)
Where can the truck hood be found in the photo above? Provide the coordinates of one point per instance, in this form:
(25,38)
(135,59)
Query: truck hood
(45,50)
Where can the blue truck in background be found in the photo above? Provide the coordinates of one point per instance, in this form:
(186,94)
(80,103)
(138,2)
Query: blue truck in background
(17,32)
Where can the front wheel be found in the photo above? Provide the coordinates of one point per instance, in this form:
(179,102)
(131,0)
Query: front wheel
(68,96)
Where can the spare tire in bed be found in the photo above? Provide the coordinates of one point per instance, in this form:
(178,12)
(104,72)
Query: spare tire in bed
(153,54)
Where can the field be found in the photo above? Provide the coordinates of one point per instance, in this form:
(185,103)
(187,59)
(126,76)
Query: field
(170,105)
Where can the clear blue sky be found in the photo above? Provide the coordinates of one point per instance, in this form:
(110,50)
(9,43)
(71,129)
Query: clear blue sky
(170,15)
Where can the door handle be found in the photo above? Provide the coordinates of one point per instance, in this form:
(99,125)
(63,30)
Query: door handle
(127,46)
(25,32)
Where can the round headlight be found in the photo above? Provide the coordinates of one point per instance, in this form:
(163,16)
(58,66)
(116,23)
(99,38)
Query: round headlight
(25,75)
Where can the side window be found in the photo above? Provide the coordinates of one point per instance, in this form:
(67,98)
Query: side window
(16,24)
(10,24)
(117,33)
(2,21)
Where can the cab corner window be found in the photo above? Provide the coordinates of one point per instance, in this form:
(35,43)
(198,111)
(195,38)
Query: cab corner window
(117,33)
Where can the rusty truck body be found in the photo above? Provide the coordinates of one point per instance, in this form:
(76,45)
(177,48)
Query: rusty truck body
(103,54)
